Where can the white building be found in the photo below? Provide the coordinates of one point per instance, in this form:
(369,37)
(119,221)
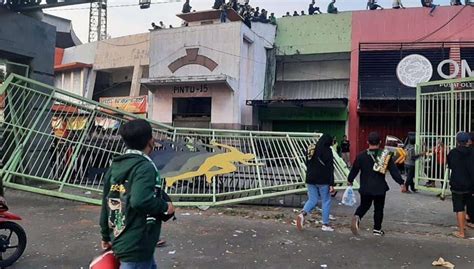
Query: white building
(202,75)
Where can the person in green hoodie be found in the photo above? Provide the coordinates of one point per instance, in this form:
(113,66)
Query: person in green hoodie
(132,201)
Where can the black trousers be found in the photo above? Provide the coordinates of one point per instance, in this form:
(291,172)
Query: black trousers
(366,201)
(410,171)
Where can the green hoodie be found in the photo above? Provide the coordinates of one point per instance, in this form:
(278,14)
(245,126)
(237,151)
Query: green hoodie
(128,206)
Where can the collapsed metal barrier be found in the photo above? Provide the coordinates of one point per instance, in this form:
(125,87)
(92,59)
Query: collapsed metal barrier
(60,144)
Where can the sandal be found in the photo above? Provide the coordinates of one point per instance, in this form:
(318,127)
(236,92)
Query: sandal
(458,235)
(161,243)
(470,225)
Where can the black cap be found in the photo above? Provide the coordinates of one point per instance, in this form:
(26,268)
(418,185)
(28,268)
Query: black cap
(374,139)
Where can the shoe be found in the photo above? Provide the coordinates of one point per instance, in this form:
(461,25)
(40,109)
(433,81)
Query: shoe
(300,221)
(379,232)
(414,190)
(331,217)
(327,228)
(355,225)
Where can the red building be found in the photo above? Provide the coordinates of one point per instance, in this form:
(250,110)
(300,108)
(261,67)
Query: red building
(378,101)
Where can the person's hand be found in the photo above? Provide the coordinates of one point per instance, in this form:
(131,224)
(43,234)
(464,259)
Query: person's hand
(106,245)
(170,208)
(349,183)
(403,187)
(331,189)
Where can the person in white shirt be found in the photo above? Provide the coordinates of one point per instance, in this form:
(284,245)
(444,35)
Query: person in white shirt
(397,4)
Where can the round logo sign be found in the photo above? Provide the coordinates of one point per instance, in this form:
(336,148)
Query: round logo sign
(414,69)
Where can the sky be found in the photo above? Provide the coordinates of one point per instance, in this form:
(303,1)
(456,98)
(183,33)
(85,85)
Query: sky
(132,20)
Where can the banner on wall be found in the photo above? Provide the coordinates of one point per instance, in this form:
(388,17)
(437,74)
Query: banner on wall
(137,104)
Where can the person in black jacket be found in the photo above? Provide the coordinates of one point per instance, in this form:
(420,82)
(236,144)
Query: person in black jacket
(470,205)
(460,162)
(319,181)
(373,185)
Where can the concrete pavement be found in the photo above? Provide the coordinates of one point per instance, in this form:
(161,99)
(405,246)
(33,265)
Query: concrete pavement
(65,234)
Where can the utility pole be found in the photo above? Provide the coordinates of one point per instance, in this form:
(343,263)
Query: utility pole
(98,21)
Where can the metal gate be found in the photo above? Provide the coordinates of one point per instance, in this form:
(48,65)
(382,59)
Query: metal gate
(61,144)
(444,108)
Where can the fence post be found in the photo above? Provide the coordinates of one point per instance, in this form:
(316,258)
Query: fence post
(418,133)
(256,161)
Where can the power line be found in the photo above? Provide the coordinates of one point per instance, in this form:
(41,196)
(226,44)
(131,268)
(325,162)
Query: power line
(115,6)
(441,27)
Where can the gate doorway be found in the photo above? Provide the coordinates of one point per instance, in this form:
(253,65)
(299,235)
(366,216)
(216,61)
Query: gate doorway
(192,112)
(444,108)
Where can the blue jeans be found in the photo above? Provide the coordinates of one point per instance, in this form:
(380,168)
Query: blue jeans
(314,193)
(151,264)
(223,16)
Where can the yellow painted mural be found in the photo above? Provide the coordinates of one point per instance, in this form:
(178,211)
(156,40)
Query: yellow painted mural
(223,162)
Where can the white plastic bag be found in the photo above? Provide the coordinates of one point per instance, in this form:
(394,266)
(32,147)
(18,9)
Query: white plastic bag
(349,198)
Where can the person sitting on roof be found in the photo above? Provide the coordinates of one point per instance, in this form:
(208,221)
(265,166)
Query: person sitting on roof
(162,25)
(331,8)
(287,14)
(295,14)
(272,19)
(429,3)
(397,4)
(302,13)
(456,3)
(372,5)
(312,9)
(154,26)
(263,16)
(247,19)
(186,7)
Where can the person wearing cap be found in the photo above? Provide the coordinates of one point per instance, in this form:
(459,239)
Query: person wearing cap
(460,160)
(373,185)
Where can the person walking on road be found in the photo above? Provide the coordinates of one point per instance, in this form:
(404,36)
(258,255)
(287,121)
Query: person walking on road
(470,205)
(460,161)
(373,185)
(319,181)
(132,203)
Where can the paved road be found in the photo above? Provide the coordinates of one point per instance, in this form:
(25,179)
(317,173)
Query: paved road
(64,234)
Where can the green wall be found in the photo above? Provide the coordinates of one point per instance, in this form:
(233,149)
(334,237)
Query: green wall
(325,33)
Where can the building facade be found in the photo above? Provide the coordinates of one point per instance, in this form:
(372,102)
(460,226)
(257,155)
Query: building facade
(202,75)
(311,82)
(328,73)
(380,40)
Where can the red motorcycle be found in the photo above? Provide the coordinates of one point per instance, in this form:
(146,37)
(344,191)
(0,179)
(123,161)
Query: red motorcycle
(12,238)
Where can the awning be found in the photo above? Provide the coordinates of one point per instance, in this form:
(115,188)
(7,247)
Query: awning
(319,89)
(186,80)
(71,66)
(286,103)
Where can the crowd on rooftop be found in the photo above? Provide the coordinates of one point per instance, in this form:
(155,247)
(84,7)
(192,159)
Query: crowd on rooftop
(255,14)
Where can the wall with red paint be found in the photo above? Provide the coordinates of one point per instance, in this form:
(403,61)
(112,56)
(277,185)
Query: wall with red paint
(405,25)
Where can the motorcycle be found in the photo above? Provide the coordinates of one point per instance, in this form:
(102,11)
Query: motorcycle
(12,238)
